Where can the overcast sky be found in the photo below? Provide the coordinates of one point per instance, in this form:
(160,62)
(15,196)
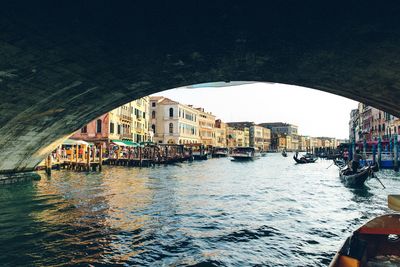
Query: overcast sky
(316,113)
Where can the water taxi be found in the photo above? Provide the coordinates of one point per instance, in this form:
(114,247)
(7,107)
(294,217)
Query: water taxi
(245,153)
(220,152)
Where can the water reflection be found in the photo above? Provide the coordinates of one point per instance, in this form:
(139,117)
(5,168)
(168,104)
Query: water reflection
(267,212)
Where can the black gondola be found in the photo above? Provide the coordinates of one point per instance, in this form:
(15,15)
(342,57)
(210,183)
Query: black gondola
(284,153)
(352,179)
(304,160)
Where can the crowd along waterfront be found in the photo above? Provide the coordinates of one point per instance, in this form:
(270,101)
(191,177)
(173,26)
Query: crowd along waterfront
(267,212)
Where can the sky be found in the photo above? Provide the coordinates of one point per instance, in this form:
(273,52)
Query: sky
(316,113)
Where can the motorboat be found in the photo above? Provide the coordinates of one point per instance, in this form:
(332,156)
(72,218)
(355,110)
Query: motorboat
(245,153)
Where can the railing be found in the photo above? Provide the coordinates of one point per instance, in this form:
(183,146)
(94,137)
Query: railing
(384,155)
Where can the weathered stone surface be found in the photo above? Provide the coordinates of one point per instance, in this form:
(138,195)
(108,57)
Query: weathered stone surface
(62,63)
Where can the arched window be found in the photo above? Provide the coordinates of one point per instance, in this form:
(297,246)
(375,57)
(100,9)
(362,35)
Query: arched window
(171,128)
(153,127)
(171,112)
(98,126)
(153,114)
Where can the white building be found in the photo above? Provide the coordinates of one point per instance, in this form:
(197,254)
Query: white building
(172,122)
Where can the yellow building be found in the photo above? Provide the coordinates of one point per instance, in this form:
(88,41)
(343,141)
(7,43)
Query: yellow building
(288,142)
(282,144)
(246,136)
(206,127)
(235,137)
(140,119)
(220,134)
(302,143)
(267,139)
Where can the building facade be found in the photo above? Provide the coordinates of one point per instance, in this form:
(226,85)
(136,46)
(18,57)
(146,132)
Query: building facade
(220,134)
(172,122)
(206,127)
(369,124)
(128,122)
(141,120)
(281,128)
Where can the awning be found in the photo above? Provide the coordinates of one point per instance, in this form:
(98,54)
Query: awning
(125,143)
(73,142)
(130,143)
(118,142)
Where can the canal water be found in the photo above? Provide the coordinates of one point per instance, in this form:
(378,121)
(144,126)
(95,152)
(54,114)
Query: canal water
(269,212)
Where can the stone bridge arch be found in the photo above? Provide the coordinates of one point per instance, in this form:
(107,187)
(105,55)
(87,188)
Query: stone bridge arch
(63,63)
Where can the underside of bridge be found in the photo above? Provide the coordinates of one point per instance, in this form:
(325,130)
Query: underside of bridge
(63,63)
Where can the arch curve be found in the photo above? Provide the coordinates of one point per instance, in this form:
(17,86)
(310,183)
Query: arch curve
(77,68)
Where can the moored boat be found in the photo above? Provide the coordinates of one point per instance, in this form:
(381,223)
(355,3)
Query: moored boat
(220,152)
(198,151)
(376,243)
(284,154)
(245,153)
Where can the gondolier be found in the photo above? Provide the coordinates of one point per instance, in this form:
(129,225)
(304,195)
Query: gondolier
(355,163)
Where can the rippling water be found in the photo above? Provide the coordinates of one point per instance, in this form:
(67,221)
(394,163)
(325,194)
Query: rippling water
(268,212)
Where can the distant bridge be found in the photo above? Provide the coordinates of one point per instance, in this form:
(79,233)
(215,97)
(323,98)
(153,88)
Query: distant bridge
(63,63)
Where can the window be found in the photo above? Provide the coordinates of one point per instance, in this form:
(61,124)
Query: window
(118,129)
(144,115)
(171,128)
(153,127)
(171,112)
(111,127)
(153,114)
(98,126)
(153,104)
(84,129)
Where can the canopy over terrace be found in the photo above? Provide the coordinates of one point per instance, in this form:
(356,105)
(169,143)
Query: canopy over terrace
(124,143)
(73,142)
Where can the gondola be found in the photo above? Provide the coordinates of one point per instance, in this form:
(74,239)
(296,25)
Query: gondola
(304,160)
(376,243)
(352,179)
(284,154)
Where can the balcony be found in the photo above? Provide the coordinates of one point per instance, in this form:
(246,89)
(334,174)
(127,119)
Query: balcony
(126,136)
(126,117)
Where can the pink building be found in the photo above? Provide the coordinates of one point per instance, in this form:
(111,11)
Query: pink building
(98,131)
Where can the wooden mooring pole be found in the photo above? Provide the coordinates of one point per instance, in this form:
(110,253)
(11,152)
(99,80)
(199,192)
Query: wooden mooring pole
(48,165)
(88,159)
(100,158)
(396,154)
